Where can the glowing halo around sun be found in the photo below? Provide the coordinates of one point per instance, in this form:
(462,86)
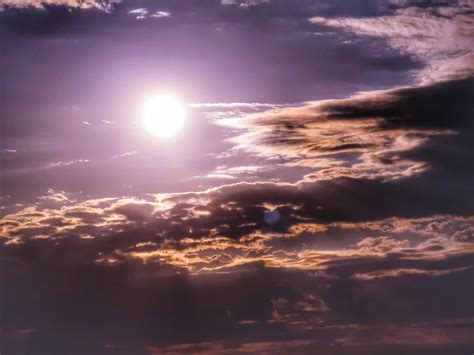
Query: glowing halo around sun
(163,116)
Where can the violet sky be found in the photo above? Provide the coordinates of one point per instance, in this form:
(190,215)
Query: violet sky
(319,199)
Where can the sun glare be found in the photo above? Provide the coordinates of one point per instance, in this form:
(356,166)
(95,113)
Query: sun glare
(164,116)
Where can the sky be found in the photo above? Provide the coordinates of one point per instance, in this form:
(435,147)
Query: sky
(318,200)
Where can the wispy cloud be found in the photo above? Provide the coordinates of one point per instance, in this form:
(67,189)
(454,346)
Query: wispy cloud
(123,155)
(234,105)
(105,5)
(244,3)
(143,13)
(440,36)
(57,164)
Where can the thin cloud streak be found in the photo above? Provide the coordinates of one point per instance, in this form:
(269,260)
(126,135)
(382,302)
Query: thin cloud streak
(105,5)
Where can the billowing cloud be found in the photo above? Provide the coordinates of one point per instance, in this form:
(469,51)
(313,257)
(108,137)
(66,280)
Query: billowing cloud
(313,280)
(369,135)
(226,227)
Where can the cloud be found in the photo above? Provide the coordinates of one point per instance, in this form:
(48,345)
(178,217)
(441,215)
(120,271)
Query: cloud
(236,172)
(369,135)
(57,164)
(53,196)
(244,3)
(105,5)
(321,260)
(227,227)
(255,105)
(143,13)
(321,294)
(139,11)
(403,272)
(124,155)
(308,277)
(440,36)
(342,340)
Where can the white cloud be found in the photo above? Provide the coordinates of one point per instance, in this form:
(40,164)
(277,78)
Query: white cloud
(441,37)
(159,14)
(143,13)
(58,164)
(139,11)
(105,5)
(244,3)
(123,155)
(233,105)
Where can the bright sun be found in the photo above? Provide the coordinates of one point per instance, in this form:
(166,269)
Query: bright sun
(164,116)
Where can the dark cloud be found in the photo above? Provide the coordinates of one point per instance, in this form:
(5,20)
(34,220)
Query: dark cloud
(386,135)
(122,308)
